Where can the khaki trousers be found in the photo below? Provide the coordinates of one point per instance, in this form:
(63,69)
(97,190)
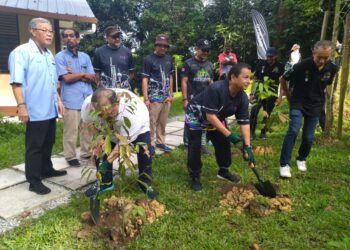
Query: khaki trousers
(158,112)
(71,123)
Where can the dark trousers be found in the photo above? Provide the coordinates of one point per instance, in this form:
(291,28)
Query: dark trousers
(222,151)
(267,105)
(144,161)
(40,138)
(309,127)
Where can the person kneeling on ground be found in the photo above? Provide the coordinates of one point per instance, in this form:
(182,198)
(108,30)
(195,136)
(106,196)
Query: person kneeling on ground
(207,111)
(120,105)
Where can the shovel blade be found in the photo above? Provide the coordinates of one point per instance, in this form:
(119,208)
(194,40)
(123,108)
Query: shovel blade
(266,188)
(95,209)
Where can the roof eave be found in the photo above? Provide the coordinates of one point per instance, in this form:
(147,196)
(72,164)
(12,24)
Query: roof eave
(48,14)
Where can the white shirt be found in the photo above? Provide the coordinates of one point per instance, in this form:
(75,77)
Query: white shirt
(139,117)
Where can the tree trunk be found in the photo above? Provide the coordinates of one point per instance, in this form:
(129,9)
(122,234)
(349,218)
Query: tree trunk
(325,24)
(344,75)
(329,89)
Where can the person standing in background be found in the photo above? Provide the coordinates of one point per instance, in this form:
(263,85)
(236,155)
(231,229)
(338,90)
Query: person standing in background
(157,89)
(76,74)
(226,60)
(34,83)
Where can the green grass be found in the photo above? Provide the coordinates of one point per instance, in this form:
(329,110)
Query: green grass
(12,146)
(319,219)
(176,107)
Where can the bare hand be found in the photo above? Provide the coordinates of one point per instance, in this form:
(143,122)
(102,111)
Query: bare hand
(60,108)
(147,103)
(278,101)
(22,113)
(114,154)
(184,104)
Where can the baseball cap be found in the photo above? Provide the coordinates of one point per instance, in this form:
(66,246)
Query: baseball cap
(203,44)
(112,30)
(162,39)
(272,51)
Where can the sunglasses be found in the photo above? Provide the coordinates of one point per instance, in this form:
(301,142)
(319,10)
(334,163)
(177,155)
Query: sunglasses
(205,50)
(162,46)
(116,36)
(68,35)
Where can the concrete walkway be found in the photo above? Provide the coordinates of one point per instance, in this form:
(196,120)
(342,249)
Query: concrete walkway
(16,200)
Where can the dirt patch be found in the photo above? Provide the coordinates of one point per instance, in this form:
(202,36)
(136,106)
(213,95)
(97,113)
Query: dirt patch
(245,198)
(121,220)
(260,150)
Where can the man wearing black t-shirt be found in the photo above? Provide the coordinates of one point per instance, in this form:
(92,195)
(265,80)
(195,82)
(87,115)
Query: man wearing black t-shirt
(157,90)
(308,80)
(113,62)
(207,111)
(272,69)
(197,73)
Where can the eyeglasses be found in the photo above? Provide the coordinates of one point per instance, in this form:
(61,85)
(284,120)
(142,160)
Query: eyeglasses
(116,36)
(47,31)
(68,35)
(162,46)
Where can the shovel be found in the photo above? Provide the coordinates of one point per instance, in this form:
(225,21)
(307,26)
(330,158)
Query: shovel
(265,188)
(95,208)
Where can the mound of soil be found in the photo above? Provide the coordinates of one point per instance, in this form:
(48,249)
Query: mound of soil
(121,220)
(245,198)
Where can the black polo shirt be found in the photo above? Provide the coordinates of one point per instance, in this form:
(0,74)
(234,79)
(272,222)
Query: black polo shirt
(307,85)
(273,72)
(216,99)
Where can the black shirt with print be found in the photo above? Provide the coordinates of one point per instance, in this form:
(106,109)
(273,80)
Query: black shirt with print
(273,72)
(308,84)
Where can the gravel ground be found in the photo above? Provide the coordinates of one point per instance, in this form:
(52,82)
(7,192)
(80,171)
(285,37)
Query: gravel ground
(6,225)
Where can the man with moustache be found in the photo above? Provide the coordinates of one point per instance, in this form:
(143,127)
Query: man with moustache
(34,83)
(76,74)
(113,62)
(157,90)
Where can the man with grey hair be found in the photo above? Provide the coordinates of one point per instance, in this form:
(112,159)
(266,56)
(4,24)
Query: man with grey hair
(307,82)
(115,107)
(34,82)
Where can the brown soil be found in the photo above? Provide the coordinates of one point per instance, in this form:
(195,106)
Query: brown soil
(121,220)
(245,198)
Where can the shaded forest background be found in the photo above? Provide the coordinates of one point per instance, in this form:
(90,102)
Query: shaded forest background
(185,21)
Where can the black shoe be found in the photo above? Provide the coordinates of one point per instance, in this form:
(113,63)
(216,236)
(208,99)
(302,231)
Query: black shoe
(263,135)
(149,191)
(205,151)
(39,188)
(74,163)
(164,148)
(54,173)
(196,184)
(226,175)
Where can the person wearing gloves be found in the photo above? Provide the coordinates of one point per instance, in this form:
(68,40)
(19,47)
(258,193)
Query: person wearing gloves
(207,111)
(116,106)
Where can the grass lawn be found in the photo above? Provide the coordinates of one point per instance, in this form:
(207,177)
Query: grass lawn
(318,220)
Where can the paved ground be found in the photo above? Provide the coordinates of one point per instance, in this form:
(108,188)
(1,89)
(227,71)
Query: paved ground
(16,201)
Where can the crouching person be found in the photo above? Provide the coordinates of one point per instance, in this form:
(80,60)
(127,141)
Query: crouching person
(207,111)
(115,106)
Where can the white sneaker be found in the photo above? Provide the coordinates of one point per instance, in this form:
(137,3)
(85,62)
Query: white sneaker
(301,165)
(285,171)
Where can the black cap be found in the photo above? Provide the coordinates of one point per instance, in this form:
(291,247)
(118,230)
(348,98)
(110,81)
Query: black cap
(203,44)
(271,51)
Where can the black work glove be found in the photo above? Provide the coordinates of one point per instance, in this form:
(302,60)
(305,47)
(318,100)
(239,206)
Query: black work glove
(248,154)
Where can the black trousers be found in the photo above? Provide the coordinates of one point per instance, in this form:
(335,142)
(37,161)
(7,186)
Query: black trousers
(222,151)
(40,138)
(267,105)
(144,161)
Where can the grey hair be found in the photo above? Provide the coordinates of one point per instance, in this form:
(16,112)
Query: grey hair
(34,22)
(323,44)
(101,95)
